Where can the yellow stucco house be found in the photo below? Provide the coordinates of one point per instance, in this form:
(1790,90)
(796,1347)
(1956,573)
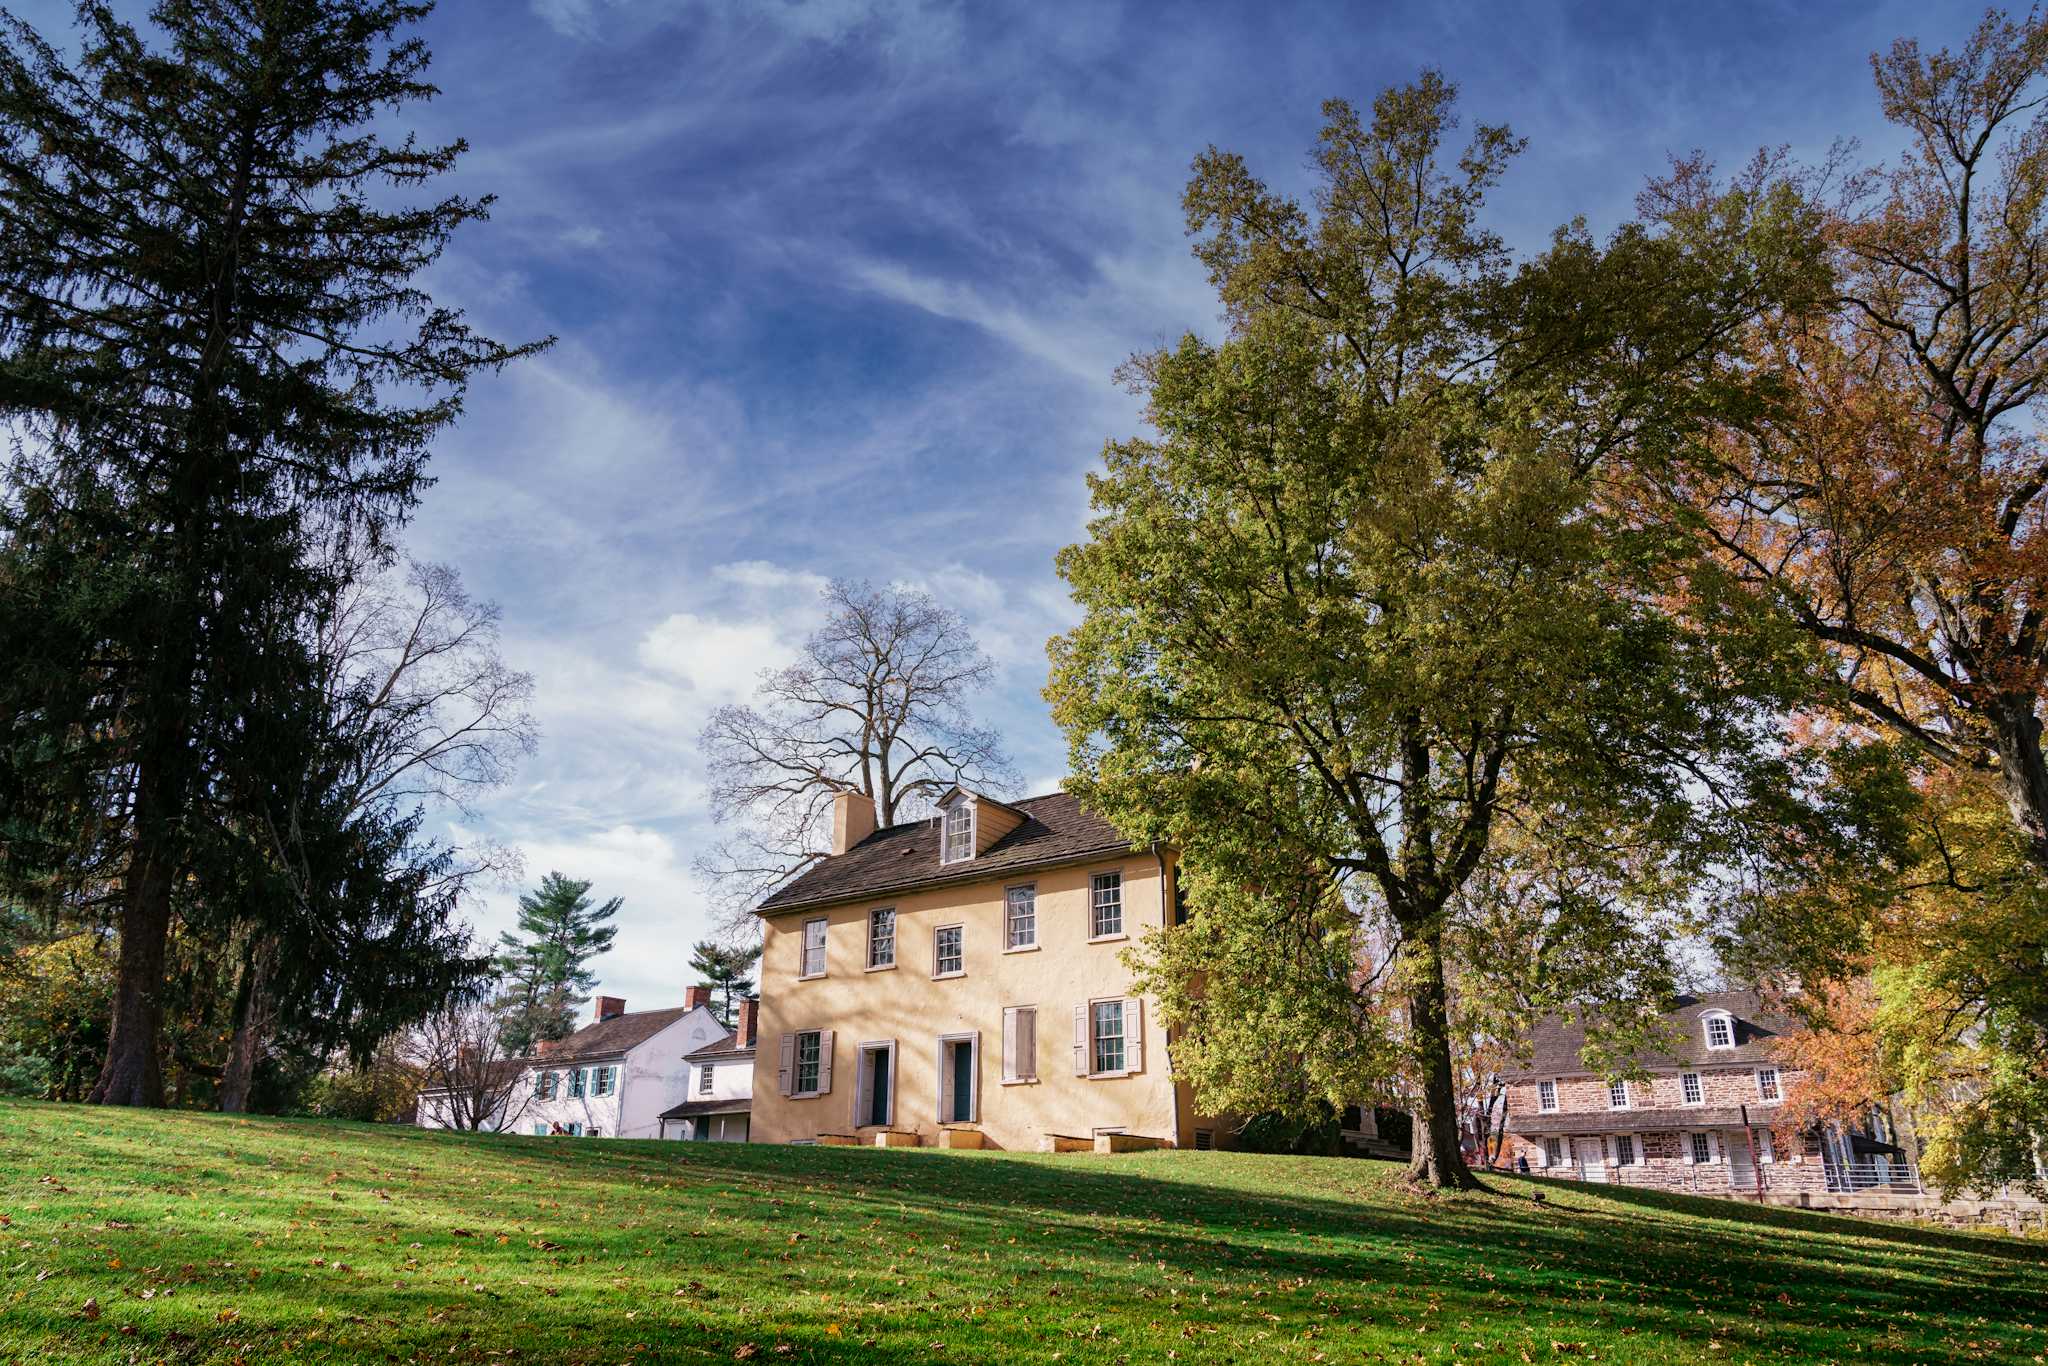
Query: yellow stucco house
(958,981)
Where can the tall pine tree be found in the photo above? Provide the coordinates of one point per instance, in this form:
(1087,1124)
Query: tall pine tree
(543,966)
(729,972)
(213,358)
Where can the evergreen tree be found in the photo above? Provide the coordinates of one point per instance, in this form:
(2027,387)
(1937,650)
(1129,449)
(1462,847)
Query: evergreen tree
(543,965)
(212,360)
(730,971)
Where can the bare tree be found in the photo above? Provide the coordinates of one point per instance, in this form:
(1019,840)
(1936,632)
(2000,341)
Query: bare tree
(877,704)
(427,715)
(416,684)
(467,1080)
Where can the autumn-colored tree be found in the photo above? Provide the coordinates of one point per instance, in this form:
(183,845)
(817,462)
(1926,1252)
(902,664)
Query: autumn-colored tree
(1940,1006)
(1893,505)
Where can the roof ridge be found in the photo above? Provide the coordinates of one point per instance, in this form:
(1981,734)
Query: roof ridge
(1006,801)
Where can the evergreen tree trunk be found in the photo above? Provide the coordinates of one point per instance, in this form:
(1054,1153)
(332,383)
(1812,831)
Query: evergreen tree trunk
(254,1016)
(1437,1159)
(133,1073)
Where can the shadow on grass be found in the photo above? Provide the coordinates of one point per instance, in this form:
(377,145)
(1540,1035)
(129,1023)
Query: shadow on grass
(1279,1241)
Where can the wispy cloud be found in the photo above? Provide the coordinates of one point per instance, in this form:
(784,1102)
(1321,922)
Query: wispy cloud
(840,287)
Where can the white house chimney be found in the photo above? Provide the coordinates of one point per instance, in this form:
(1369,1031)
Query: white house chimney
(853,819)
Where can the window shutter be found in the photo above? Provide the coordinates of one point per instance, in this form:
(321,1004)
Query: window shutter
(1685,1147)
(782,1078)
(863,1085)
(974,1079)
(825,1062)
(1134,1034)
(1010,1072)
(945,1086)
(1081,1040)
(1027,1043)
(895,1085)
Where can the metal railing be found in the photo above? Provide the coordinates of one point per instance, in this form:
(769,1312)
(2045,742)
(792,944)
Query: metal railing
(1874,1174)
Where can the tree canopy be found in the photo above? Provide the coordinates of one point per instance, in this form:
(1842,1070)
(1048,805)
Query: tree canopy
(1360,610)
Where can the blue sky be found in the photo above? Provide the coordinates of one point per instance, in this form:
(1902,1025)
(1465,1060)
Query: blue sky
(839,288)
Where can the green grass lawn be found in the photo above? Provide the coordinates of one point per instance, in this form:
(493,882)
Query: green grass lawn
(189,1238)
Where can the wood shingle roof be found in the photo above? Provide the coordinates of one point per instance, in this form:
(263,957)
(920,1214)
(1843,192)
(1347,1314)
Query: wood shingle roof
(901,858)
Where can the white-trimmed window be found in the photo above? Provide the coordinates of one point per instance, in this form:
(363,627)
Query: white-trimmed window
(1020,916)
(602,1080)
(1546,1097)
(882,938)
(1767,1085)
(704,1080)
(1106,1036)
(1720,1028)
(1020,1043)
(809,1063)
(1766,1151)
(1702,1147)
(1109,1037)
(1105,905)
(949,958)
(1617,1094)
(544,1085)
(1691,1089)
(958,833)
(813,964)
(1625,1153)
(575,1083)
(1553,1152)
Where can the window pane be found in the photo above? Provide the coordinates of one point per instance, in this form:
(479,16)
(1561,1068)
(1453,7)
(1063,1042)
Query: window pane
(959,833)
(1693,1093)
(1702,1149)
(947,943)
(1617,1095)
(806,1062)
(1106,904)
(1546,1095)
(882,939)
(1023,916)
(1109,1036)
(1767,1083)
(814,948)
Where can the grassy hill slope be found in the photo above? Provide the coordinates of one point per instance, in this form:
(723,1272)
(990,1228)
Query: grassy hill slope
(187,1238)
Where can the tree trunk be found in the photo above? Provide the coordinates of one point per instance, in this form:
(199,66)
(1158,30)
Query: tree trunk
(133,1073)
(1438,1161)
(253,1014)
(2023,772)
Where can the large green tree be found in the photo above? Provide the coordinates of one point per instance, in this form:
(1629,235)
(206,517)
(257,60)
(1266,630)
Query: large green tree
(1359,609)
(214,360)
(544,965)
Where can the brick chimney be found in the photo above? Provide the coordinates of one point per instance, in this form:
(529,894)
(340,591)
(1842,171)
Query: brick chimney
(744,1031)
(608,1006)
(696,996)
(853,820)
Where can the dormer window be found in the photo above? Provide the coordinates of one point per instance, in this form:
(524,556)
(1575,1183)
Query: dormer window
(1720,1026)
(957,834)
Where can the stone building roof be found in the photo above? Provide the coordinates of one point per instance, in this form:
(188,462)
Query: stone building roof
(1556,1041)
